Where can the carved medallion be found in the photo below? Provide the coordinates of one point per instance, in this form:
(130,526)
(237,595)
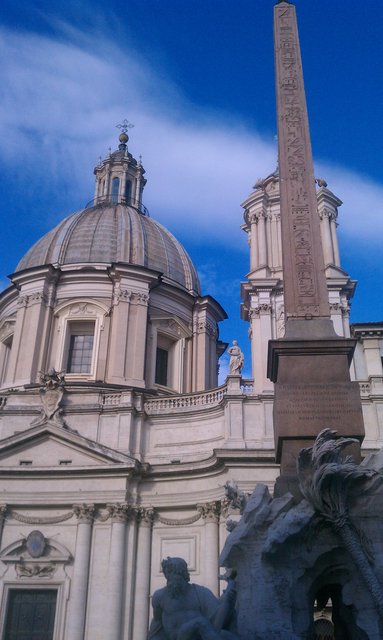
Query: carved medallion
(36,544)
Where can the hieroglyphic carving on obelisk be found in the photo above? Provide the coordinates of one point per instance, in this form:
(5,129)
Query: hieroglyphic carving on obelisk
(305,290)
(310,364)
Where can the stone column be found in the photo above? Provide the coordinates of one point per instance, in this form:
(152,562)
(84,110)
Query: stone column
(120,513)
(335,245)
(137,189)
(262,247)
(326,238)
(145,518)
(268,231)
(210,512)
(254,262)
(75,629)
(123,185)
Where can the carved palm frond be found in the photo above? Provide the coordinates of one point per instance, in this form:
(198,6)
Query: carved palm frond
(327,480)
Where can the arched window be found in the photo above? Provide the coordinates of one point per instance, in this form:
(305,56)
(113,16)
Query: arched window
(128,190)
(76,338)
(115,188)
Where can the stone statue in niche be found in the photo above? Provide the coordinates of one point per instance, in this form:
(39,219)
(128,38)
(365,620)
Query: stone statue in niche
(236,359)
(184,611)
(51,395)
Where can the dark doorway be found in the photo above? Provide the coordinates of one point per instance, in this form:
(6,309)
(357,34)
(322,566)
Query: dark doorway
(30,614)
(343,616)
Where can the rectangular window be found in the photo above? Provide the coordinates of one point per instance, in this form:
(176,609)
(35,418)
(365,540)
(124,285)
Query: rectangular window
(30,614)
(162,357)
(80,347)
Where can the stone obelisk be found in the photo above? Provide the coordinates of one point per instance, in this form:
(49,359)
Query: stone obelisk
(310,365)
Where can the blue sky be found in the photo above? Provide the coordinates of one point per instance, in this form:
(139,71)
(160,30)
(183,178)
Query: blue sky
(196,78)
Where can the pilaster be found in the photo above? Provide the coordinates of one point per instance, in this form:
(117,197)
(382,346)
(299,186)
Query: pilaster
(207,312)
(136,350)
(119,332)
(210,512)
(33,321)
(79,589)
(120,514)
(145,517)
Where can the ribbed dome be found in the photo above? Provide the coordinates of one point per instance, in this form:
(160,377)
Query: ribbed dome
(114,233)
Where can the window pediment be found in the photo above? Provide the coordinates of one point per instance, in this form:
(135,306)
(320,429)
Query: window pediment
(84,308)
(7,329)
(18,551)
(172,327)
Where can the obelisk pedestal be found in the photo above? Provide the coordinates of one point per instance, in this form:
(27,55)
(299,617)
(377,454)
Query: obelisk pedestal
(312,391)
(310,365)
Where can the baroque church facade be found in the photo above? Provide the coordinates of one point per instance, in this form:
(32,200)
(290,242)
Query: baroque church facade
(116,441)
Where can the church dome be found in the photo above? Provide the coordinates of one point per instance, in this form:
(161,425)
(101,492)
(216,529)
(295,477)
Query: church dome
(116,227)
(114,232)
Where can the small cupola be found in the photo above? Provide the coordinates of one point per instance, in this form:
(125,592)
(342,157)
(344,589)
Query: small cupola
(120,177)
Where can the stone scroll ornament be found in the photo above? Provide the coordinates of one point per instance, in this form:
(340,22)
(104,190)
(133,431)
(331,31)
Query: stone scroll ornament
(327,481)
(51,395)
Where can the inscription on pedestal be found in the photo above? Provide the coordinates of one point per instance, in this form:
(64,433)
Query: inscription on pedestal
(335,405)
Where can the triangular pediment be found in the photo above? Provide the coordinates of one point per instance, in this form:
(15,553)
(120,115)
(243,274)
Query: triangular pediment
(333,271)
(50,446)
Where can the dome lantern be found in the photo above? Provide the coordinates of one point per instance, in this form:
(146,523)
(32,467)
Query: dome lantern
(119,177)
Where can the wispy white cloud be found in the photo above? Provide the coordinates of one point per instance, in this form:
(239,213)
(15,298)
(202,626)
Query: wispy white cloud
(62,98)
(361,216)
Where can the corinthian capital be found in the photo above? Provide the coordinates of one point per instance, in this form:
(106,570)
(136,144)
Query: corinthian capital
(145,515)
(84,512)
(210,511)
(120,511)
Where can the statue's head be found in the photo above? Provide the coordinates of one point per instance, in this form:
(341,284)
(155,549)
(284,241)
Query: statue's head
(175,566)
(176,574)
